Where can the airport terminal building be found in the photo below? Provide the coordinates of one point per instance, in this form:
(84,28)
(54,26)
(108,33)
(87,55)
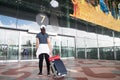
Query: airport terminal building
(71,37)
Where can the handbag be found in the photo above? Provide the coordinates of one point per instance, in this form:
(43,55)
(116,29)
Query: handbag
(55,57)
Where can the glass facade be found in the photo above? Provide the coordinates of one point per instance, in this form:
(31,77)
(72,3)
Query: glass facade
(19,43)
(70,37)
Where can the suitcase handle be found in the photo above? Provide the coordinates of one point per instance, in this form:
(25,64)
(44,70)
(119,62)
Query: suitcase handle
(56,57)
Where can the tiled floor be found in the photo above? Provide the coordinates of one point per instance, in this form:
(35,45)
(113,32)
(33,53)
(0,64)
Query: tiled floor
(78,69)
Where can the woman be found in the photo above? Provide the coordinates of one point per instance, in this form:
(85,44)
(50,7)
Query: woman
(44,49)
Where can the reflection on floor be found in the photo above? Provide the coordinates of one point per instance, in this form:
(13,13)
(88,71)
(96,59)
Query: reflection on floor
(78,69)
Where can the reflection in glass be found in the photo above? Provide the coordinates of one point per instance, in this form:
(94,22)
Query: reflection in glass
(92,53)
(27,25)
(67,47)
(81,53)
(118,53)
(64,46)
(9,44)
(55,40)
(107,53)
(6,21)
(26,46)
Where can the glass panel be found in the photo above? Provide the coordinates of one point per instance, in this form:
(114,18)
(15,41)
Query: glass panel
(91,53)
(9,44)
(6,21)
(64,47)
(26,46)
(105,41)
(34,45)
(117,45)
(106,47)
(55,40)
(28,25)
(81,53)
(80,47)
(80,44)
(107,53)
(91,46)
(71,47)
(13,42)
(118,53)
(67,47)
(3,45)
(91,40)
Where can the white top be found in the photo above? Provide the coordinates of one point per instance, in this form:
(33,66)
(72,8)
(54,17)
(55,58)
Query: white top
(43,48)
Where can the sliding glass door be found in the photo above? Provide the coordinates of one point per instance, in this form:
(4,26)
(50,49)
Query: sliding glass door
(63,46)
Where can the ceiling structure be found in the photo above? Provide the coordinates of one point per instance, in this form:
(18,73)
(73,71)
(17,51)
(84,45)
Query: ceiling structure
(26,9)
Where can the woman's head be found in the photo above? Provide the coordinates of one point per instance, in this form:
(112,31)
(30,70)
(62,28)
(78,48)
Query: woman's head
(42,28)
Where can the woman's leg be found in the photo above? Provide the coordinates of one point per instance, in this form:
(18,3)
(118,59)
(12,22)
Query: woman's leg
(40,63)
(48,63)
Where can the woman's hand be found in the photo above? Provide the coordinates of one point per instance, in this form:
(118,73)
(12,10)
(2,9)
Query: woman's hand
(50,53)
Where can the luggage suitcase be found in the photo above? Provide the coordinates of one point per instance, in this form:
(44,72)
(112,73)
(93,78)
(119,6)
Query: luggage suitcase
(57,66)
